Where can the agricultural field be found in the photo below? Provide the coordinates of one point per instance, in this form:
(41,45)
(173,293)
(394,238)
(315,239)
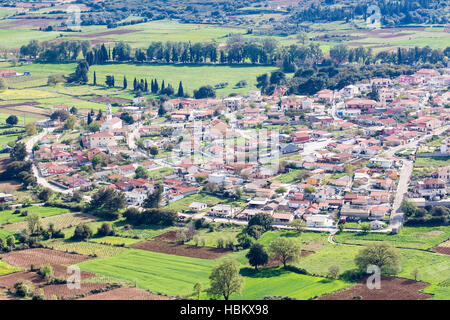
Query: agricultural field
(86,248)
(155,271)
(8,216)
(210,200)
(6,268)
(112,240)
(277,281)
(59,221)
(409,237)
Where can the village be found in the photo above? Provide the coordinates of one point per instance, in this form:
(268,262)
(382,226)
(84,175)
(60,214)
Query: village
(337,157)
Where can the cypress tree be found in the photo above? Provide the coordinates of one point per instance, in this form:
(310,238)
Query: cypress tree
(162,86)
(95,79)
(89,119)
(156,86)
(180,90)
(152,86)
(135,84)
(125,84)
(146,86)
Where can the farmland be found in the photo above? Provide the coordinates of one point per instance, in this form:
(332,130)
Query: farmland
(8,216)
(277,281)
(155,271)
(409,237)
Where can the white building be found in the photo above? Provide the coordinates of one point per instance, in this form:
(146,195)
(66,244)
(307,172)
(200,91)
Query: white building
(223,211)
(197,206)
(232,102)
(217,178)
(319,220)
(111,124)
(445,146)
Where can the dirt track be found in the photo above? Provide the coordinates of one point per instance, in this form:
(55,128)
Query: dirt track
(125,294)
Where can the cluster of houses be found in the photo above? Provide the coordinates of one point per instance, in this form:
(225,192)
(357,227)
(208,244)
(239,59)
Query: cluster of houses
(351,174)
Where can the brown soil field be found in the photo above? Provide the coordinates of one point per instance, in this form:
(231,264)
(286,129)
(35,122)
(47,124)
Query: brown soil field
(443,247)
(3,163)
(14,23)
(106,33)
(19,104)
(392,288)
(125,294)
(111,100)
(181,249)
(9,280)
(4,298)
(40,256)
(168,236)
(9,186)
(63,292)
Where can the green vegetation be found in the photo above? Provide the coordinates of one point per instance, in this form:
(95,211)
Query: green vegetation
(8,216)
(278,281)
(6,268)
(112,240)
(158,272)
(409,237)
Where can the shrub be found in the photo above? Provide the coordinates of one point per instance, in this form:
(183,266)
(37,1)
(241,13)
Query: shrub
(105,229)
(23,289)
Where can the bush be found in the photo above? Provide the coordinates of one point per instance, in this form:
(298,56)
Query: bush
(23,289)
(296,269)
(82,232)
(105,229)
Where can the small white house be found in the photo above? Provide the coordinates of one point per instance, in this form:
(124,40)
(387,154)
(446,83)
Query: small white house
(223,211)
(197,206)
(374,225)
(319,221)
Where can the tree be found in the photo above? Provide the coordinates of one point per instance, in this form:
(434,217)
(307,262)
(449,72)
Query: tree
(108,201)
(365,227)
(244,240)
(415,273)
(94,82)
(46,271)
(339,53)
(153,198)
(197,290)
(109,81)
(281,190)
(3,85)
(334,271)
(18,152)
(105,230)
(82,232)
(12,120)
(257,255)
(299,225)
(153,150)
(382,255)
(70,122)
(31,129)
(34,222)
(285,250)
(81,73)
(261,219)
(310,190)
(125,84)
(205,92)
(408,207)
(141,172)
(225,279)
(180,92)
(45,194)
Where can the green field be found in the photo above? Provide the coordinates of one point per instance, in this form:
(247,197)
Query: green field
(210,200)
(6,268)
(287,177)
(409,237)
(116,240)
(279,282)
(5,233)
(86,248)
(192,76)
(8,216)
(158,272)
